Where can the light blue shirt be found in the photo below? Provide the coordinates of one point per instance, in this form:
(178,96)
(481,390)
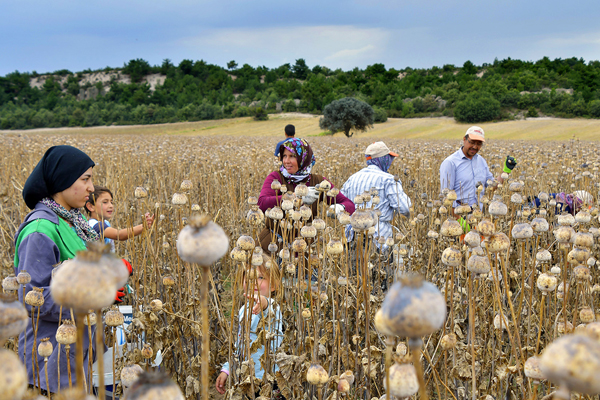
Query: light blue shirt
(391,196)
(276,328)
(461,174)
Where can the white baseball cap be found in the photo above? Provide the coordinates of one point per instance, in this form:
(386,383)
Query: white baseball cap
(378,149)
(475,133)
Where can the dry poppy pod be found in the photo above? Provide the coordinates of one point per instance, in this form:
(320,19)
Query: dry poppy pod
(361,220)
(526,212)
(472,239)
(333,192)
(276,213)
(448,341)
(546,283)
(305,212)
(10,283)
(552,203)
(500,323)
(13,376)
(348,376)
(376,200)
(566,220)
(285,254)
(290,268)
(542,212)
(443,210)
(237,254)
(319,224)
(478,264)
(255,216)
(462,209)
(516,186)
(390,241)
(540,225)
(472,220)
(358,200)
(168,280)
(563,234)
(308,231)
(272,247)
(129,374)
(202,241)
(34,297)
(299,245)
(147,351)
(342,281)
(412,308)
(323,296)
(595,232)
(366,197)
(451,257)
(316,375)
(306,313)
(497,208)
(324,186)
(555,270)
(543,196)
(343,386)
(543,255)
(114,317)
(195,207)
(432,234)
(447,203)
(335,246)
(13,317)
(451,228)
(23,278)
(592,329)
(401,349)
(403,380)
(140,192)
(486,227)
(256,259)
(245,242)
(45,348)
(275,185)
(154,386)
(287,205)
(498,242)
(582,273)
(578,255)
(186,185)
(179,199)
(156,305)
(301,190)
(532,369)
(451,195)
(516,198)
(477,213)
(583,217)
(522,231)
(90,280)
(90,318)
(586,315)
(560,327)
(584,239)
(66,333)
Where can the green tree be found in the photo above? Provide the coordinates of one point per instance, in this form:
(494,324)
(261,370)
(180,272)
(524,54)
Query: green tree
(137,69)
(260,114)
(474,109)
(347,114)
(300,69)
(231,65)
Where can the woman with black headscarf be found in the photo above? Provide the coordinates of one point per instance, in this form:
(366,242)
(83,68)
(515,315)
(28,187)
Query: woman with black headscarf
(297,160)
(53,232)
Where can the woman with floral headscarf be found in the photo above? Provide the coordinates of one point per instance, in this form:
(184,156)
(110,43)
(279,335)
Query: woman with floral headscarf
(297,160)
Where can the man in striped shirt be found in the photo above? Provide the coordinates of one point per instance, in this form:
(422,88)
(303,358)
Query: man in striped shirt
(391,196)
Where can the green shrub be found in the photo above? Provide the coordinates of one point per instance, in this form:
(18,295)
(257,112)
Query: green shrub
(474,110)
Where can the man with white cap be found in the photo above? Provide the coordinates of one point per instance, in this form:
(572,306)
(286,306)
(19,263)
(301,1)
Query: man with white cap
(392,198)
(464,170)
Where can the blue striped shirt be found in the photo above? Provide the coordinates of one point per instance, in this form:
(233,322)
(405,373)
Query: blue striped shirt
(461,174)
(391,196)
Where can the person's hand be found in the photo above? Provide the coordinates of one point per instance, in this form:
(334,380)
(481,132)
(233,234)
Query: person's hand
(463,222)
(311,197)
(260,302)
(220,382)
(149,218)
(120,295)
(509,164)
(336,208)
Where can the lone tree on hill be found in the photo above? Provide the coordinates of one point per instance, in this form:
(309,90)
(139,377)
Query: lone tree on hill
(347,114)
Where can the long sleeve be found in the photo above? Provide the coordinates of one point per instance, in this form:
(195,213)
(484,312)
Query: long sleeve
(447,175)
(268,197)
(341,199)
(398,200)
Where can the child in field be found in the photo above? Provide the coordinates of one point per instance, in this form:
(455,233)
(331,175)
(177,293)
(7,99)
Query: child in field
(268,281)
(100,209)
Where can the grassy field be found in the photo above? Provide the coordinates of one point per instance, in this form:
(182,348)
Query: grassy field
(308,125)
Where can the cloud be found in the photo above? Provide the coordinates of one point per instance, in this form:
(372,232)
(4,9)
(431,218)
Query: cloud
(345,46)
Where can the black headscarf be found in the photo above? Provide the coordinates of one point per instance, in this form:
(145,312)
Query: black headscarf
(58,169)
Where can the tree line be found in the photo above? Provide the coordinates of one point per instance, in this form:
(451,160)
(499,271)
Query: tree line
(196,90)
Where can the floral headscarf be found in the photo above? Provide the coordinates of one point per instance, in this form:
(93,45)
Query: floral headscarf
(304,154)
(383,162)
(571,203)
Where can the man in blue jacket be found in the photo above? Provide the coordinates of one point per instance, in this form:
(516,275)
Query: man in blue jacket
(290,132)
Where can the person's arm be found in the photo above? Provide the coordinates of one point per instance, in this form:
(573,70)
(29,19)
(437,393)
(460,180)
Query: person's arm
(396,197)
(341,199)
(37,255)
(447,175)
(268,197)
(124,234)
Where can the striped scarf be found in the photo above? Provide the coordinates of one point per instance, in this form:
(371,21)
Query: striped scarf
(82,227)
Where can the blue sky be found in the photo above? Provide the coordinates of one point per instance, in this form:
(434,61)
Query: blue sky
(46,36)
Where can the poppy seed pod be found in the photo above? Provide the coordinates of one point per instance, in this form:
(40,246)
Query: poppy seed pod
(583,239)
(301,190)
(147,351)
(23,277)
(90,319)
(498,242)
(403,380)
(308,231)
(237,254)
(540,225)
(472,239)
(13,317)
(316,375)
(522,231)
(361,220)
(448,341)
(532,369)
(140,192)
(563,234)
(34,297)
(10,283)
(202,241)
(186,185)
(45,348)
(486,227)
(432,234)
(154,386)
(583,217)
(179,199)
(451,228)
(66,333)
(543,255)
(276,213)
(275,185)
(299,245)
(13,376)
(478,264)
(168,281)
(578,255)
(305,212)
(287,205)
(546,283)
(335,247)
(156,305)
(90,280)
(586,315)
(195,207)
(497,208)
(451,195)
(516,186)
(462,209)
(411,308)
(452,257)
(516,198)
(566,220)
(573,361)
(255,216)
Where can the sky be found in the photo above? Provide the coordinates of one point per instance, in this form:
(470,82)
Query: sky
(46,36)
